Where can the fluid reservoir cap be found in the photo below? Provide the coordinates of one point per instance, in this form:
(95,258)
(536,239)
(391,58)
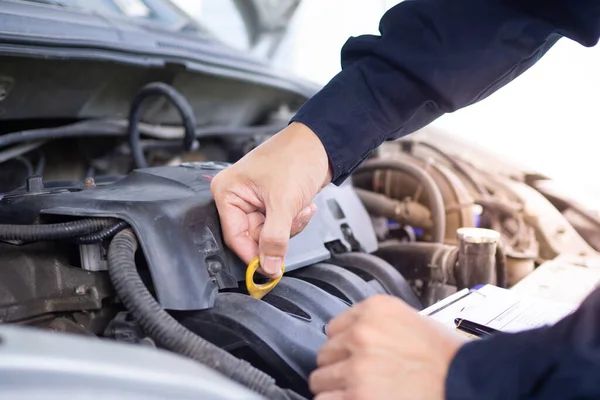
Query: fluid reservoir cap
(478,235)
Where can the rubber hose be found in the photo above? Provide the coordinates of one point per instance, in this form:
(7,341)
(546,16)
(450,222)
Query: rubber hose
(169,333)
(104,234)
(26,163)
(181,104)
(436,201)
(20,150)
(39,169)
(73,130)
(501,269)
(425,261)
(64,230)
(408,213)
(110,128)
(458,166)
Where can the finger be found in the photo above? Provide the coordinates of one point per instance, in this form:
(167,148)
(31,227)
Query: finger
(343,321)
(256,220)
(234,223)
(374,305)
(302,219)
(329,378)
(333,351)
(274,238)
(335,395)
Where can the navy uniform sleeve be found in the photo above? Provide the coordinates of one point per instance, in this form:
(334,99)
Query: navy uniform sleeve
(561,362)
(434,57)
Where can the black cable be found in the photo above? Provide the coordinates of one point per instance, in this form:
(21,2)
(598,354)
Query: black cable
(78,129)
(168,332)
(258,130)
(26,163)
(64,230)
(91,172)
(20,150)
(112,128)
(181,104)
(41,164)
(104,234)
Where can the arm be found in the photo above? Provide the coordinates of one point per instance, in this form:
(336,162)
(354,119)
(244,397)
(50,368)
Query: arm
(381,348)
(559,362)
(434,57)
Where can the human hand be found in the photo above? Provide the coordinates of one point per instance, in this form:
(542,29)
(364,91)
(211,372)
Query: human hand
(383,349)
(266,197)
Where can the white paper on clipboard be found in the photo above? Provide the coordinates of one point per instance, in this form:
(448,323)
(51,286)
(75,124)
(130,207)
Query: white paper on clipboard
(498,308)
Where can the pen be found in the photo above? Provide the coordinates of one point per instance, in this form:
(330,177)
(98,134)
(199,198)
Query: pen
(474,328)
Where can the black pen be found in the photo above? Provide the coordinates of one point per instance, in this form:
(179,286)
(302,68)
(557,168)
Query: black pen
(473,328)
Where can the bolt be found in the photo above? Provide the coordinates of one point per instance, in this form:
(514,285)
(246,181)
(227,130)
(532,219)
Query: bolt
(214,267)
(89,182)
(81,290)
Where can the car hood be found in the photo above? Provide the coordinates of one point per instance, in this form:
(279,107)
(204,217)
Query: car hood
(94,65)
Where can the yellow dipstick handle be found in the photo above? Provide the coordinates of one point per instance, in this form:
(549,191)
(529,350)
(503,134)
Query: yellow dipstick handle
(258,291)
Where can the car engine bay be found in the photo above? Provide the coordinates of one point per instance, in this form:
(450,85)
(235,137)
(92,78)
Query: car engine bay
(138,257)
(108,228)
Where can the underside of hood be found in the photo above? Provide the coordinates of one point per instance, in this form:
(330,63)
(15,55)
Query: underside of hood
(60,63)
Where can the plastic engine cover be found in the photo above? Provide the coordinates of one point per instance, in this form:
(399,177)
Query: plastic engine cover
(172,212)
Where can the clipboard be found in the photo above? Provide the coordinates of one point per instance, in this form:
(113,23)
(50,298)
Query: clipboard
(498,308)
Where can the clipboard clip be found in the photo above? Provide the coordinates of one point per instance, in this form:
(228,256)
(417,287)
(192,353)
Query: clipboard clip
(258,291)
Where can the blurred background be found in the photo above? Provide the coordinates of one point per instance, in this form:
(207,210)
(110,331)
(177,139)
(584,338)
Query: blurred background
(546,119)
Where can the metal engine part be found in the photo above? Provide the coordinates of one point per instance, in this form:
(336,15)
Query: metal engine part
(36,280)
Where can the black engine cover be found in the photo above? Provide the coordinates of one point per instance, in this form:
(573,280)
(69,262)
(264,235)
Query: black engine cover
(172,212)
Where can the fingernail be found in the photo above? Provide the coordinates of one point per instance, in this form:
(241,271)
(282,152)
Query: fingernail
(272,266)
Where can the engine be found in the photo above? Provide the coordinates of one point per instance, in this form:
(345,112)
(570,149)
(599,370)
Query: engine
(59,274)
(137,256)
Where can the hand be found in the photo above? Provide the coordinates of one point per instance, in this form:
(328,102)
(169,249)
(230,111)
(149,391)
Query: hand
(383,349)
(266,197)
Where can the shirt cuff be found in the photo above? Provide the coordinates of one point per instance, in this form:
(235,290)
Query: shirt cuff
(343,125)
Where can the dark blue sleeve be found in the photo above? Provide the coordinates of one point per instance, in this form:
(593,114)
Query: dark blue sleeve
(561,362)
(434,57)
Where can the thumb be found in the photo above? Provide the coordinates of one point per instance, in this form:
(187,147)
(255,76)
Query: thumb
(274,240)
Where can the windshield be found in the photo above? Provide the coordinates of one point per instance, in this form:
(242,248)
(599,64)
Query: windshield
(159,11)
(221,17)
